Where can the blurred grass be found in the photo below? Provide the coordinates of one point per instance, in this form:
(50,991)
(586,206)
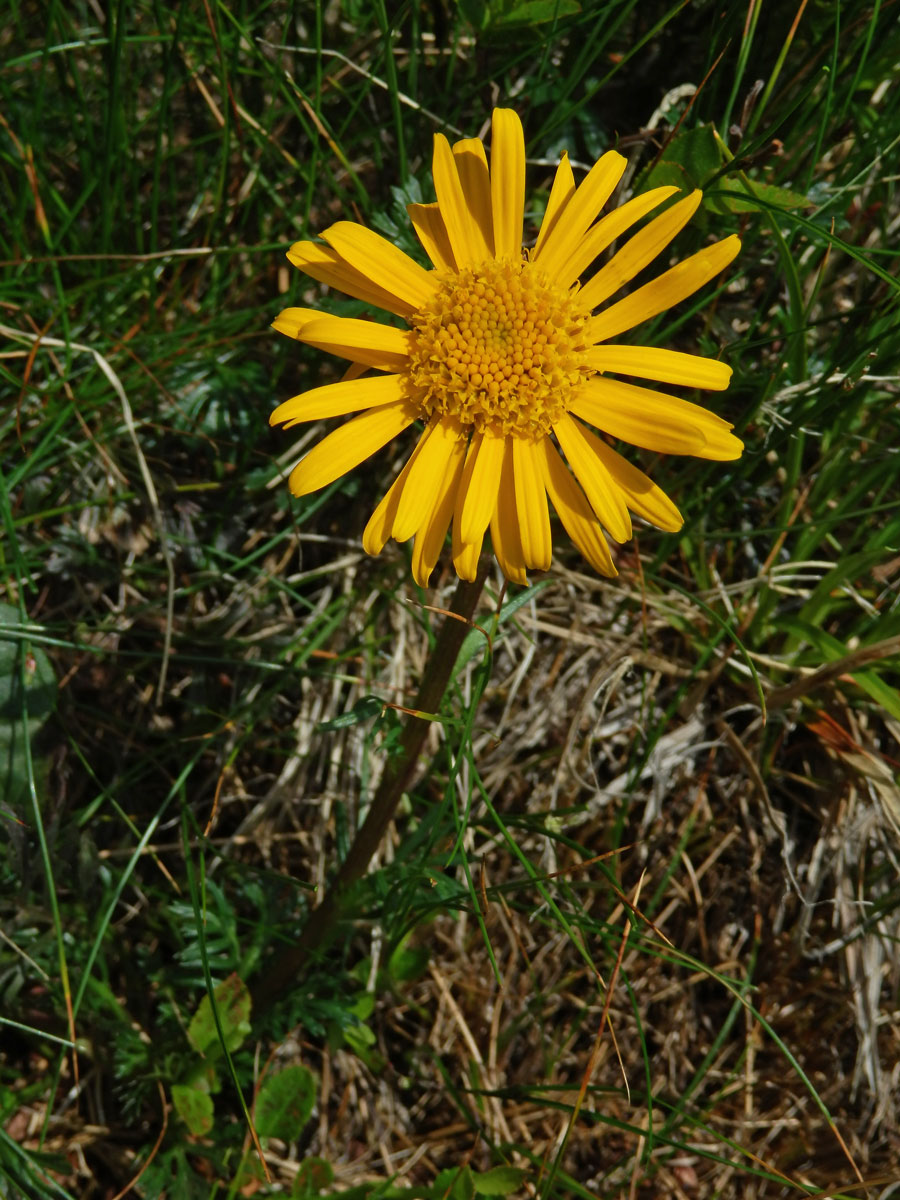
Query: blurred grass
(226,658)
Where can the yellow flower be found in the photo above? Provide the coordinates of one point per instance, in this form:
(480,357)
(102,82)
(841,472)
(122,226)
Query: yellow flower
(504,359)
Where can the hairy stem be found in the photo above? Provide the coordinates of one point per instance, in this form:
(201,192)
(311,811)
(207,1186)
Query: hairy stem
(322,921)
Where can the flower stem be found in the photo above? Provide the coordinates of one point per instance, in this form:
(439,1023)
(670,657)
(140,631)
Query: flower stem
(322,921)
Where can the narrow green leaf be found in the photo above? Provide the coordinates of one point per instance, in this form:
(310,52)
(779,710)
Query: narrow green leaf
(776,196)
(475,642)
(365,708)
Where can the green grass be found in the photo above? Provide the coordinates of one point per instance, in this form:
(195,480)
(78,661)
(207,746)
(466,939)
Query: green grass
(634,931)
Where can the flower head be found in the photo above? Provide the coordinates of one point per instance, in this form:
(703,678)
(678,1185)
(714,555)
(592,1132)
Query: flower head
(506,361)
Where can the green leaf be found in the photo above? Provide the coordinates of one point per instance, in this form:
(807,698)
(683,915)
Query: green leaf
(314,1176)
(691,158)
(776,196)
(832,649)
(38,697)
(232,1001)
(885,695)
(363,1006)
(359,1038)
(285,1103)
(361,1041)
(476,12)
(364,709)
(27,688)
(194,1106)
(475,642)
(456,1183)
(407,962)
(499,1181)
(535,12)
(695,156)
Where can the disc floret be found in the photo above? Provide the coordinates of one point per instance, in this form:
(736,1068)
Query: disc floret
(498,347)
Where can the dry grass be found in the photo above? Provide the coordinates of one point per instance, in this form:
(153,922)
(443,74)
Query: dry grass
(763,901)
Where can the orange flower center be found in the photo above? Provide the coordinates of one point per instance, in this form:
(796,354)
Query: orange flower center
(498,347)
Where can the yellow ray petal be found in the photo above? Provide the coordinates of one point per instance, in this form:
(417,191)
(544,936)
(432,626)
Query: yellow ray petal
(466,238)
(574,511)
(593,192)
(507,182)
(291,321)
(420,491)
(354,371)
(337,399)
(641,493)
(380,346)
(472,168)
(531,503)
(505,523)
(561,192)
(432,233)
(324,264)
(608,228)
(432,535)
(655,420)
(465,558)
(664,366)
(663,292)
(378,527)
(348,446)
(481,487)
(579,447)
(386,265)
(639,250)
(466,554)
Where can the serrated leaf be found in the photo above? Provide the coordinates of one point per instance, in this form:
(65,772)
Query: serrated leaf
(285,1103)
(194,1106)
(232,1001)
(499,1181)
